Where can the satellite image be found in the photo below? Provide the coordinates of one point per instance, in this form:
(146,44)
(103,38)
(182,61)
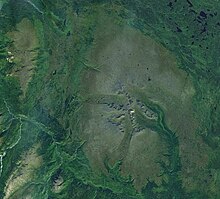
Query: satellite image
(109,99)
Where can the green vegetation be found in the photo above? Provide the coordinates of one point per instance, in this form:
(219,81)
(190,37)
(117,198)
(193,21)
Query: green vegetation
(56,108)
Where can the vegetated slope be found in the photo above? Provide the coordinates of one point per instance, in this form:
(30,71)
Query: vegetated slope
(176,109)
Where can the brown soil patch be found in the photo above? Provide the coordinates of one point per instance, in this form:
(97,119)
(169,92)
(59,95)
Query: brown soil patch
(24,51)
(24,172)
(130,59)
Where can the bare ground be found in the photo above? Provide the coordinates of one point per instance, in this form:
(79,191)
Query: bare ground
(24,50)
(30,161)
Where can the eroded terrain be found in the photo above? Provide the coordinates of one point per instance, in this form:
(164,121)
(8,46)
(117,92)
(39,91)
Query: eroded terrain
(130,61)
(115,99)
(23,52)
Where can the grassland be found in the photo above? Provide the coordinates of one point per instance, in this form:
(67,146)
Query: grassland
(120,97)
